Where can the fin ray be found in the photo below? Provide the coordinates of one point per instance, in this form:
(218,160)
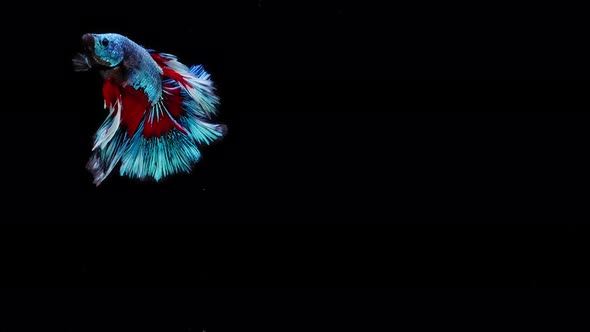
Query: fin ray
(80,62)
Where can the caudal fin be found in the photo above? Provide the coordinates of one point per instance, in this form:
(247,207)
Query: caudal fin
(170,136)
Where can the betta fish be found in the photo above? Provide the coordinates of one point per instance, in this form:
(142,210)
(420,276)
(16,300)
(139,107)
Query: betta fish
(160,111)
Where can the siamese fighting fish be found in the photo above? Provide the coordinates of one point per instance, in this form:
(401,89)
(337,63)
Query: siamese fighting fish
(160,111)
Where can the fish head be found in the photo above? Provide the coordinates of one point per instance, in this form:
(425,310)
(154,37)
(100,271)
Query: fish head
(106,49)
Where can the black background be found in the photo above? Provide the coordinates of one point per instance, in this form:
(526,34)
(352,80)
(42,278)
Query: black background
(414,167)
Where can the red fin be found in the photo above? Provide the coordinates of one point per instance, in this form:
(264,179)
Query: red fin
(160,60)
(169,72)
(173,99)
(165,122)
(161,126)
(135,104)
(111,92)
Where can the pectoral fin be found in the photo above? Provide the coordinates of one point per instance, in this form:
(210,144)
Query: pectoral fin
(81,62)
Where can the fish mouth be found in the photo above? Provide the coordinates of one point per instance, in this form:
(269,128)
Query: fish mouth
(88,43)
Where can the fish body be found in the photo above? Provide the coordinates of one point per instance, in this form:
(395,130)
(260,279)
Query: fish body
(160,110)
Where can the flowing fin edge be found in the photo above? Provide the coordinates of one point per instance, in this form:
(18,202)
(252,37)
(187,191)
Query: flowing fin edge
(195,81)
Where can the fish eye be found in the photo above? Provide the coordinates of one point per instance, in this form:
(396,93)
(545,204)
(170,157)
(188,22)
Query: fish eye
(104,42)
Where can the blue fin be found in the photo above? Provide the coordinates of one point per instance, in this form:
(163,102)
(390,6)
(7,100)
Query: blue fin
(156,158)
(103,160)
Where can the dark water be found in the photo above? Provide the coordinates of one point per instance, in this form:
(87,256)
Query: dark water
(414,168)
